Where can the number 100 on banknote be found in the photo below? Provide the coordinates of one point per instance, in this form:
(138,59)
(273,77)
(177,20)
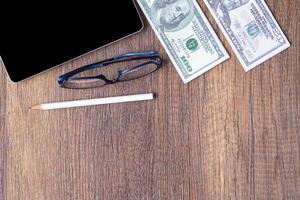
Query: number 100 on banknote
(186,35)
(250,28)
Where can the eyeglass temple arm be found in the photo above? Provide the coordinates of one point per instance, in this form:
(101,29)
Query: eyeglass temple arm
(144,54)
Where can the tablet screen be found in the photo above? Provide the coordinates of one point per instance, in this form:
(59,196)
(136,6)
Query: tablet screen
(36,36)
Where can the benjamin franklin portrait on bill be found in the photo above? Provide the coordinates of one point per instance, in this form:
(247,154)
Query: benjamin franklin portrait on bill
(233,4)
(223,7)
(172,15)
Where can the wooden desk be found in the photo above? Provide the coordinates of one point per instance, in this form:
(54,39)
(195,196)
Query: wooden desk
(226,135)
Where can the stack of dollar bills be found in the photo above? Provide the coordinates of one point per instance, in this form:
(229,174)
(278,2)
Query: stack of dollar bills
(193,46)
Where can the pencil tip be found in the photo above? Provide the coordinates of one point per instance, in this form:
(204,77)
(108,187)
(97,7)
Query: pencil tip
(35,107)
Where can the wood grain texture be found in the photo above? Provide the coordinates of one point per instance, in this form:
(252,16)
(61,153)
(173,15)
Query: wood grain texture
(226,135)
(3,134)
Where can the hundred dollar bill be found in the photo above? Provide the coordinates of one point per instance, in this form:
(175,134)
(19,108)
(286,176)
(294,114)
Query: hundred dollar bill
(250,28)
(186,35)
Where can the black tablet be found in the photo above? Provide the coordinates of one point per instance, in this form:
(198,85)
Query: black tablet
(38,35)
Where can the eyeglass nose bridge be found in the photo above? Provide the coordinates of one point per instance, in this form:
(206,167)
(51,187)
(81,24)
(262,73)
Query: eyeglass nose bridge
(110,81)
(106,80)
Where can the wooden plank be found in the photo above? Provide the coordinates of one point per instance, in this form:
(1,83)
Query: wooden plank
(3,132)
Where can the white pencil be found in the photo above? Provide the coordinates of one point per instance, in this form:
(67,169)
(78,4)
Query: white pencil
(93,102)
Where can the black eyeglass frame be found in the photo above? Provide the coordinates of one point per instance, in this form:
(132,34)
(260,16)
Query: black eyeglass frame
(152,57)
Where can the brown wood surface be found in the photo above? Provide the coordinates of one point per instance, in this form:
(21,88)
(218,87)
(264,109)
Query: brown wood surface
(226,135)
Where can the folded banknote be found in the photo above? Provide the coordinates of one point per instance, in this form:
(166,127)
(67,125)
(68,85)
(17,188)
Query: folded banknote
(186,35)
(250,28)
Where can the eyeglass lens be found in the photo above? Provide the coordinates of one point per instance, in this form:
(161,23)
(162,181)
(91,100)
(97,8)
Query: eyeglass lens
(84,83)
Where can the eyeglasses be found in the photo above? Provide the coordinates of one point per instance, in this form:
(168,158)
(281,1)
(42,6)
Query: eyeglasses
(150,62)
